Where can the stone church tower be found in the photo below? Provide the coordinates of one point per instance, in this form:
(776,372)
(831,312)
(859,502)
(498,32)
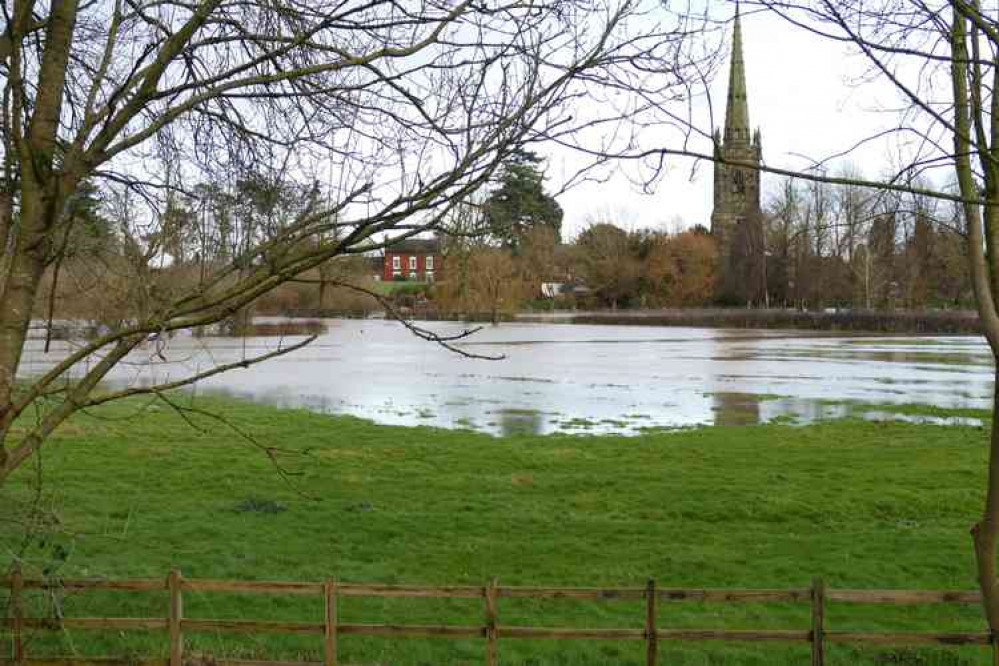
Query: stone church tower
(737,187)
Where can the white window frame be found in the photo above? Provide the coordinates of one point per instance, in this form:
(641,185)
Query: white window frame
(412,263)
(413,275)
(396,263)
(430,276)
(430,262)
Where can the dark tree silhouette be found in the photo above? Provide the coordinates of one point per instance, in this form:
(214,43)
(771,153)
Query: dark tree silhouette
(520,203)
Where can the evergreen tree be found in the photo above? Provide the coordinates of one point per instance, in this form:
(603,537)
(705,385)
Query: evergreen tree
(520,203)
(89,231)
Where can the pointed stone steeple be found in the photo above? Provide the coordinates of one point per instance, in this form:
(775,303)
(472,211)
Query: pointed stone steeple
(739,154)
(737,110)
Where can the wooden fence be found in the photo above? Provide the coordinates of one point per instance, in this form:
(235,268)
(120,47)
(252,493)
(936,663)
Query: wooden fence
(330,630)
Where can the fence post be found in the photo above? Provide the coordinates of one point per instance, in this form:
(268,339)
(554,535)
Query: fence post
(492,653)
(330,625)
(818,621)
(17,611)
(176,616)
(651,640)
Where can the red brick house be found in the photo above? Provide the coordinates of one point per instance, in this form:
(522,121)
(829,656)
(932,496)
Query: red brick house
(414,259)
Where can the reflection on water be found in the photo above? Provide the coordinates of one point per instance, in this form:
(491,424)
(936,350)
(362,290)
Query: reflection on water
(570,378)
(736,408)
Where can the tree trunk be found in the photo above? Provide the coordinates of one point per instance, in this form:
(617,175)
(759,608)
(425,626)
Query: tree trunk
(986,531)
(24,276)
(6,235)
(42,195)
(983,244)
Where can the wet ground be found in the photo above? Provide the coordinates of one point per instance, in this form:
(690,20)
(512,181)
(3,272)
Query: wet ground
(579,378)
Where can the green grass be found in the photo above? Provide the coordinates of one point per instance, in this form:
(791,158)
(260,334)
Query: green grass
(387,287)
(875,505)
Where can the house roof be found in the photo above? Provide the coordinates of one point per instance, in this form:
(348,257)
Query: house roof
(415,246)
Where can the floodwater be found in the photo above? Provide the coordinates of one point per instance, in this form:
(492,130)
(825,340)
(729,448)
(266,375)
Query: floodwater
(577,378)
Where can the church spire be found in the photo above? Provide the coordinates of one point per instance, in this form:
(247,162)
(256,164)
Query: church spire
(737,112)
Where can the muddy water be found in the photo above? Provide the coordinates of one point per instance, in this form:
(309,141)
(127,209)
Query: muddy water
(578,378)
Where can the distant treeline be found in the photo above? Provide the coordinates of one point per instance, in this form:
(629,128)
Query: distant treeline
(813,247)
(957,322)
(962,322)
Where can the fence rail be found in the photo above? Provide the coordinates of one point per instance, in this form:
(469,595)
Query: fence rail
(331,628)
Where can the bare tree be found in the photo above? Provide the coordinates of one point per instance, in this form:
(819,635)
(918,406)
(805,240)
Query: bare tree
(398,110)
(495,285)
(782,219)
(461,234)
(853,220)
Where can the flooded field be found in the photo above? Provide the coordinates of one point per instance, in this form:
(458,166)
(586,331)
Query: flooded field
(575,378)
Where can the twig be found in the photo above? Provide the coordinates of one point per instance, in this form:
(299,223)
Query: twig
(272,452)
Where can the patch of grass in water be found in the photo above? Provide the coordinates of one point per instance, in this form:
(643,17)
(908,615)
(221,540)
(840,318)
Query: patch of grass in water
(578,422)
(859,407)
(918,342)
(667,429)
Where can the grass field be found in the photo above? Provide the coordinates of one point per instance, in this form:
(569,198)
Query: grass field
(131,491)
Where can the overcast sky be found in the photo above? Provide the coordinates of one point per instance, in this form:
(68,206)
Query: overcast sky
(804,97)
